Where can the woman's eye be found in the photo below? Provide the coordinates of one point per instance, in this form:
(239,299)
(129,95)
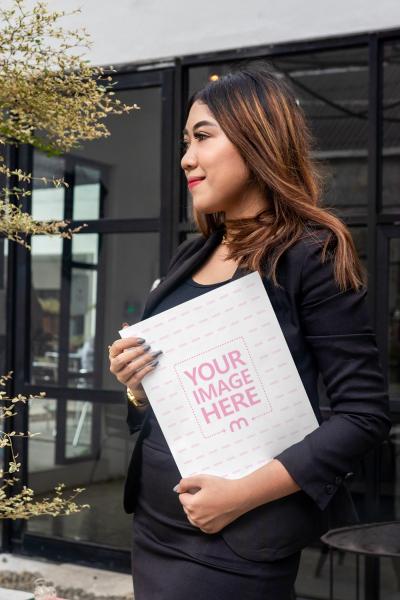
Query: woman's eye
(199,136)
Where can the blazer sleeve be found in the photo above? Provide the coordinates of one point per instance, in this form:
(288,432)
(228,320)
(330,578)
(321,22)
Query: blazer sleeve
(337,328)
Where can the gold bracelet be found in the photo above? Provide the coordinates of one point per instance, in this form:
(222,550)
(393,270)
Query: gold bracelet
(135,401)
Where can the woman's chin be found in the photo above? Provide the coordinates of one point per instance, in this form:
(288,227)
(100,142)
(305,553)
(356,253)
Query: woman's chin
(206,208)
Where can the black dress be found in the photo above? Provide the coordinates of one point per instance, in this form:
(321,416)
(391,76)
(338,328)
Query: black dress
(171,558)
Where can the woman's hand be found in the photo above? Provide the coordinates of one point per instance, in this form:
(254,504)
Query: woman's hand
(131,359)
(220,501)
(217,503)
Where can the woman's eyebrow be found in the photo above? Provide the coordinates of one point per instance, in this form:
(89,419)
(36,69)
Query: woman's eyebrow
(200,124)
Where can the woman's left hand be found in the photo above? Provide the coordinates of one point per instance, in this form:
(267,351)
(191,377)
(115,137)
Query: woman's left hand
(218,502)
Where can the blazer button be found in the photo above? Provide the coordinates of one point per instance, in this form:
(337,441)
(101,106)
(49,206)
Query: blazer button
(329,488)
(338,480)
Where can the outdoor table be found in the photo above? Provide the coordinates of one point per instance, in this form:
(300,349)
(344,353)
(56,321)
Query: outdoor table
(369,539)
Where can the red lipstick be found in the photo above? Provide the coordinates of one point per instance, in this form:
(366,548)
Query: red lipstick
(192,181)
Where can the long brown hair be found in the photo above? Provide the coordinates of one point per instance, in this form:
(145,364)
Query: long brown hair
(260,115)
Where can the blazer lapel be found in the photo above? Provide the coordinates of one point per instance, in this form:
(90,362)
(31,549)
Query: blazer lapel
(181,271)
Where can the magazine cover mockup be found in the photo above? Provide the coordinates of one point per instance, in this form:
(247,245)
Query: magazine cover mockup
(226,392)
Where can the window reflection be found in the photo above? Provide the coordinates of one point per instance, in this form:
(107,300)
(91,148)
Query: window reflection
(130,158)
(47,200)
(394,317)
(46,257)
(87,192)
(391,128)
(114,278)
(79,422)
(85,248)
(3,293)
(82,327)
(130,264)
(390,475)
(314,574)
(95,456)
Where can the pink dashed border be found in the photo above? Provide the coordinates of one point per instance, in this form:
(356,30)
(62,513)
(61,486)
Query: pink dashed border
(269,406)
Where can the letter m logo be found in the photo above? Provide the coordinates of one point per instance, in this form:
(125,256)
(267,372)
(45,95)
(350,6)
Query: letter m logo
(239,423)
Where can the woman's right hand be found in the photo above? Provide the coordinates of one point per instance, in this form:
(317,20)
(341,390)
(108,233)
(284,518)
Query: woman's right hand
(131,359)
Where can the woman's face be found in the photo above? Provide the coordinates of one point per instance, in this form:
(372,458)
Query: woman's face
(211,156)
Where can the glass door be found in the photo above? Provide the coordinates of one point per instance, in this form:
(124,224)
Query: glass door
(72,297)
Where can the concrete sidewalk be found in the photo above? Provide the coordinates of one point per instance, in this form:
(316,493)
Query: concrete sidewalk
(73,582)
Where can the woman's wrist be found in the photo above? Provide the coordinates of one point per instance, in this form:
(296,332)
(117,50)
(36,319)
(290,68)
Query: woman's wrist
(137,396)
(137,391)
(266,484)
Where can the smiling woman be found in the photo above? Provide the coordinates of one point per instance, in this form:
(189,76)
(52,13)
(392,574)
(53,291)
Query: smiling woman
(216,170)
(249,170)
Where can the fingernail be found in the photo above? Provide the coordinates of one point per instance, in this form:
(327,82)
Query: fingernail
(146,347)
(153,363)
(175,489)
(140,340)
(156,353)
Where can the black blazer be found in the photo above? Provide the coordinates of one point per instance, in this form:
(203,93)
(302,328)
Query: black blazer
(328,332)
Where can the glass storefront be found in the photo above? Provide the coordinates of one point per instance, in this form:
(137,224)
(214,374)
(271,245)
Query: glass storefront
(81,291)
(97,448)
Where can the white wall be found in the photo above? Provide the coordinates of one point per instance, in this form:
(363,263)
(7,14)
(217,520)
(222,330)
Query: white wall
(140,30)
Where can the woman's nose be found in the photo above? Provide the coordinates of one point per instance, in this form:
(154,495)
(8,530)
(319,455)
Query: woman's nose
(189,159)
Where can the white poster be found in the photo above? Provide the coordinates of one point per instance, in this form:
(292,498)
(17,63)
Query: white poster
(226,392)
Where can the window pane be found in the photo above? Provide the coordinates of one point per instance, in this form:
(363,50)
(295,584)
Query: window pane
(389,577)
(130,266)
(3,305)
(78,429)
(87,192)
(391,128)
(130,157)
(102,475)
(389,474)
(82,327)
(85,248)
(313,578)
(120,273)
(332,88)
(47,200)
(45,308)
(394,317)
(42,421)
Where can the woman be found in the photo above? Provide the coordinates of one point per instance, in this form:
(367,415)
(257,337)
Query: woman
(256,202)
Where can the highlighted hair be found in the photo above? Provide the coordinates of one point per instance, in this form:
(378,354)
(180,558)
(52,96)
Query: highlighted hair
(260,115)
